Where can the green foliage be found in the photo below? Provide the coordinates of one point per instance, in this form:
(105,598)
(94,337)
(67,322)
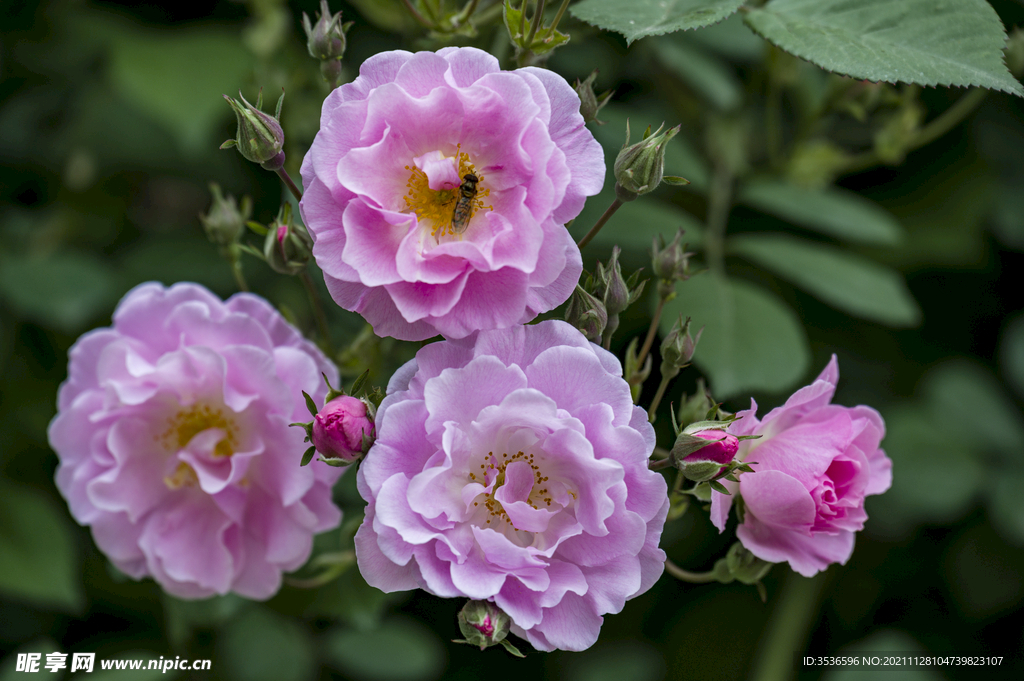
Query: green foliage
(399,650)
(928,42)
(751,340)
(38,561)
(847,282)
(834,212)
(1012,353)
(260,645)
(705,74)
(637,19)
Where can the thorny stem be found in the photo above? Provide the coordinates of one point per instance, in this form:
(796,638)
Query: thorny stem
(288,182)
(651,332)
(653,409)
(318,311)
(687,576)
(935,129)
(599,224)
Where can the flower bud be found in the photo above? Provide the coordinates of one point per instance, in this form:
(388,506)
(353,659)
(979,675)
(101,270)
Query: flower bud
(697,407)
(259,138)
(611,285)
(288,246)
(484,625)
(640,168)
(326,41)
(587,314)
(702,455)
(342,430)
(591,104)
(670,263)
(678,347)
(226,221)
(741,565)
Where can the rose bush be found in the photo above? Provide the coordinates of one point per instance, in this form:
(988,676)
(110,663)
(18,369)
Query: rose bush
(382,182)
(174,444)
(512,467)
(815,463)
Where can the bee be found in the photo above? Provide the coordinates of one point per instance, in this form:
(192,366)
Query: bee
(464,208)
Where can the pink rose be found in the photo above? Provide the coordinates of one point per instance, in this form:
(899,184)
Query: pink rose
(339,427)
(386,174)
(174,444)
(816,462)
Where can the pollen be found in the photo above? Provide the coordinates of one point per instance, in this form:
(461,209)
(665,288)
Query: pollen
(183,476)
(435,208)
(188,423)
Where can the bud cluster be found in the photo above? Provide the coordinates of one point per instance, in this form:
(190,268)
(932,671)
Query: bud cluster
(596,304)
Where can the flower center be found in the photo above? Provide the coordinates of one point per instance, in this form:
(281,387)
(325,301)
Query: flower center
(493,471)
(186,424)
(450,208)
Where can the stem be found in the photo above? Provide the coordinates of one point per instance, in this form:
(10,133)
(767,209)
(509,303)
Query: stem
(522,18)
(719,205)
(236,269)
(538,19)
(786,631)
(416,13)
(935,129)
(599,224)
(288,182)
(318,311)
(658,464)
(558,17)
(651,332)
(653,409)
(687,576)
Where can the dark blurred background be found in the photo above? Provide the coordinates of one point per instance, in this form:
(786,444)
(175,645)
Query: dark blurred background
(110,118)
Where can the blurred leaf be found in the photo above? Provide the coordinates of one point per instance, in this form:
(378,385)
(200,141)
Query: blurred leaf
(260,645)
(936,472)
(399,650)
(708,77)
(960,392)
(37,551)
(352,600)
(633,660)
(1011,351)
(928,42)
(184,616)
(982,576)
(63,291)
(751,341)
(635,224)
(387,14)
(40,645)
(1008,216)
(173,259)
(178,75)
(1005,507)
(99,674)
(847,282)
(834,212)
(639,18)
(882,641)
(731,39)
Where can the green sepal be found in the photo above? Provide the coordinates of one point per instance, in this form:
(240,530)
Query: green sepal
(507,645)
(228,144)
(332,392)
(257,227)
(719,487)
(360,382)
(308,456)
(310,404)
(679,504)
(675,180)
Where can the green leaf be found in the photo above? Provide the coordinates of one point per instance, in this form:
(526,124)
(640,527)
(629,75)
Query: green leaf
(751,340)
(182,617)
(1005,507)
(353,601)
(636,19)
(399,650)
(37,551)
(835,212)
(628,660)
(847,282)
(1011,351)
(704,74)
(64,291)
(262,646)
(928,42)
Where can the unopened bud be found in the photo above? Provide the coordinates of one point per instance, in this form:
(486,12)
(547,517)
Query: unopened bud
(671,263)
(260,138)
(326,41)
(342,430)
(639,168)
(678,347)
(587,314)
(225,221)
(484,624)
(611,285)
(702,455)
(288,246)
(591,104)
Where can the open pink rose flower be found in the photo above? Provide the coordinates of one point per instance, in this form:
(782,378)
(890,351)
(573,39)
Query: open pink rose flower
(403,238)
(816,461)
(511,467)
(174,445)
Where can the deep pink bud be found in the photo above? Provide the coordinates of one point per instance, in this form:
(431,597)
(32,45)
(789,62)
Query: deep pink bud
(339,427)
(721,451)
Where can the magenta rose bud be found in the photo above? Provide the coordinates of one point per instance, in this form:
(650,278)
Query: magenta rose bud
(703,455)
(813,465)
(403,238)
(722,449)
(339,428)
(174,445)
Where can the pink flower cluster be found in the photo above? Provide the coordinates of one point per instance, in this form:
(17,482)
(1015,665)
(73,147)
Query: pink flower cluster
(513,467)
(816,461)
(174,444)
(386,176)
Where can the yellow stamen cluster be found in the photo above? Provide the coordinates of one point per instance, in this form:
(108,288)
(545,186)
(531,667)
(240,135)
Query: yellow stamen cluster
(493,463)
(184,426)
(184,476)
(436,208)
